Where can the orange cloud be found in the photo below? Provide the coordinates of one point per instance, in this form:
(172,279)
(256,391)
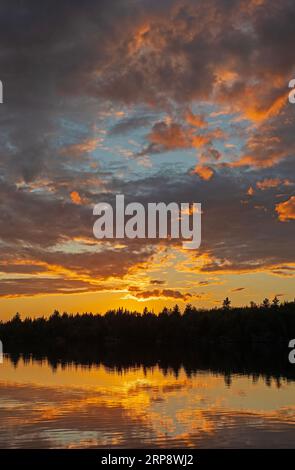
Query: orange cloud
(268,183)
(198,141)
(195,120)
(256,161)
(87,146)
(139,39)
(172,136)
(250,191)
(204,172)
(76,198)
(261,114)
(286,210)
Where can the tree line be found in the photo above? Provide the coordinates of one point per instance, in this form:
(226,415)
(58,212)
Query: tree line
(271,322)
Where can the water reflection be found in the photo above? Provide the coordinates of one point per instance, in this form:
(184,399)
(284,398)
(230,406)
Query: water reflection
(70,405)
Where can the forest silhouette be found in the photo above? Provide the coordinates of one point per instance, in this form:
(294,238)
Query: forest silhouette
(250,340)
(267,323)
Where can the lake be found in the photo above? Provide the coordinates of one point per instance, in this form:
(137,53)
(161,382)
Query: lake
(74,406)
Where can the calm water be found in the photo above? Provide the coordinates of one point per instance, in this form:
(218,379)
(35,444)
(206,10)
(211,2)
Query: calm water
(75,406)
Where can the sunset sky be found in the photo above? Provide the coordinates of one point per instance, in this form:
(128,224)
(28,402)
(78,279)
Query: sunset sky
(167,100)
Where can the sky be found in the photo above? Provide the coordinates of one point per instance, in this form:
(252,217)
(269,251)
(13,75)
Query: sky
(170,101)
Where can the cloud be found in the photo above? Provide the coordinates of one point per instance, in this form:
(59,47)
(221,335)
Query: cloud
(197,73)
(174,136)
(204,172)
(20,287)
(128,124)
(286,210)
(170,137)
(195,120)
(157,282)
(227,225)
(76,198)
(250,191)
(163,293)
(80,148)
(269,183)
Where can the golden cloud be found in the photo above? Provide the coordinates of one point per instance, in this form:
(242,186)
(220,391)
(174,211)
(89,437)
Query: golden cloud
(204,172)
(76,198)
(286,210)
